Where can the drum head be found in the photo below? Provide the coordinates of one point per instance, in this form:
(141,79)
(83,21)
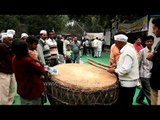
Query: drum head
(84,77)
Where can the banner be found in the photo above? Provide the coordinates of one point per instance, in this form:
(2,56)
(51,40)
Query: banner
(137,26)
(140,25)
(124,27)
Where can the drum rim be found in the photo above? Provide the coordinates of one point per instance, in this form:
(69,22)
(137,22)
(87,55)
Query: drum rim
(84,90)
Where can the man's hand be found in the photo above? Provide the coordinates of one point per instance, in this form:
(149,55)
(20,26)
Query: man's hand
(111,70)
(113,66)
(150,56)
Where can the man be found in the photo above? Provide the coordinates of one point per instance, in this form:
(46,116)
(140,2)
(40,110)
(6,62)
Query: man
(51,42)
(43,49)
(11,31)
(95,46)
(155,58)
(75,47)
(65,43)
(24,36)
(7,79)
(115,52)
(60,43)
(127,70)
(145,74)
(99,48)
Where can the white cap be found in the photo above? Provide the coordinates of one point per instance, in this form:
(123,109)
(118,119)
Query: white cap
(11,31)
(43,32)
(4,35)
(24,35)
(10,35)
(121,37)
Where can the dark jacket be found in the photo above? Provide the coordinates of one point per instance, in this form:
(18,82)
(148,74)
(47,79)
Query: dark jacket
(155,77)
(28,76)
(5,59)
(60,46)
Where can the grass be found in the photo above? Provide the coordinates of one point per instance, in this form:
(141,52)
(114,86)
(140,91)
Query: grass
(103,59)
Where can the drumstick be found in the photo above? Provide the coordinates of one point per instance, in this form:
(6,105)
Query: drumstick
(97,65)
(98,62)
(104,65)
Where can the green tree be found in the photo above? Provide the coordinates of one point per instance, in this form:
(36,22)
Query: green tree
(32,24)
(8,22)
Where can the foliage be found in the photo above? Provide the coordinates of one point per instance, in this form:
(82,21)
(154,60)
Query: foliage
(8,22)
(32,24)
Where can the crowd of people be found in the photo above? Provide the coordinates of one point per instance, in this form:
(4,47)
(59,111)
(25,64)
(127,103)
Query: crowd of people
(23,61)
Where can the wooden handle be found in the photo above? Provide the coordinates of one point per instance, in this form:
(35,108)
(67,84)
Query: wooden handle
(97,64)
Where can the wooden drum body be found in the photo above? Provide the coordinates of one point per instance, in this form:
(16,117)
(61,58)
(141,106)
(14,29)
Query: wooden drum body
(80,84)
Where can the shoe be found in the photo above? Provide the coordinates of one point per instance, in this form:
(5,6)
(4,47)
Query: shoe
(141,102)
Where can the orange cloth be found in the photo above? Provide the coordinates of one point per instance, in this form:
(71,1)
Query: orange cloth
(114,54)
(33,54)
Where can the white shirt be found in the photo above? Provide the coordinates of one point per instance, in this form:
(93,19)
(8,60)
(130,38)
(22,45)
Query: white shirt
(65,42)
(99,45)
(51,42)
(145,65)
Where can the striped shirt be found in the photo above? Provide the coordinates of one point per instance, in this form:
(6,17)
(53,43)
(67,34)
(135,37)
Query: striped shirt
(144,64)
(44,52)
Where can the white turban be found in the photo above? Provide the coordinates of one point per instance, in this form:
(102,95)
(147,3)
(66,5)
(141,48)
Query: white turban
(11,31)
(24,35)
(121,37)
(10,35)
(4,35)
(43,32)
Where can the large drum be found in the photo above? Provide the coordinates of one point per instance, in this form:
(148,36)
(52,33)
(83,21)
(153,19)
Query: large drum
(81,84)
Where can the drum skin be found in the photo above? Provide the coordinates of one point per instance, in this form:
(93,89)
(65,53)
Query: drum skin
(81,84)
